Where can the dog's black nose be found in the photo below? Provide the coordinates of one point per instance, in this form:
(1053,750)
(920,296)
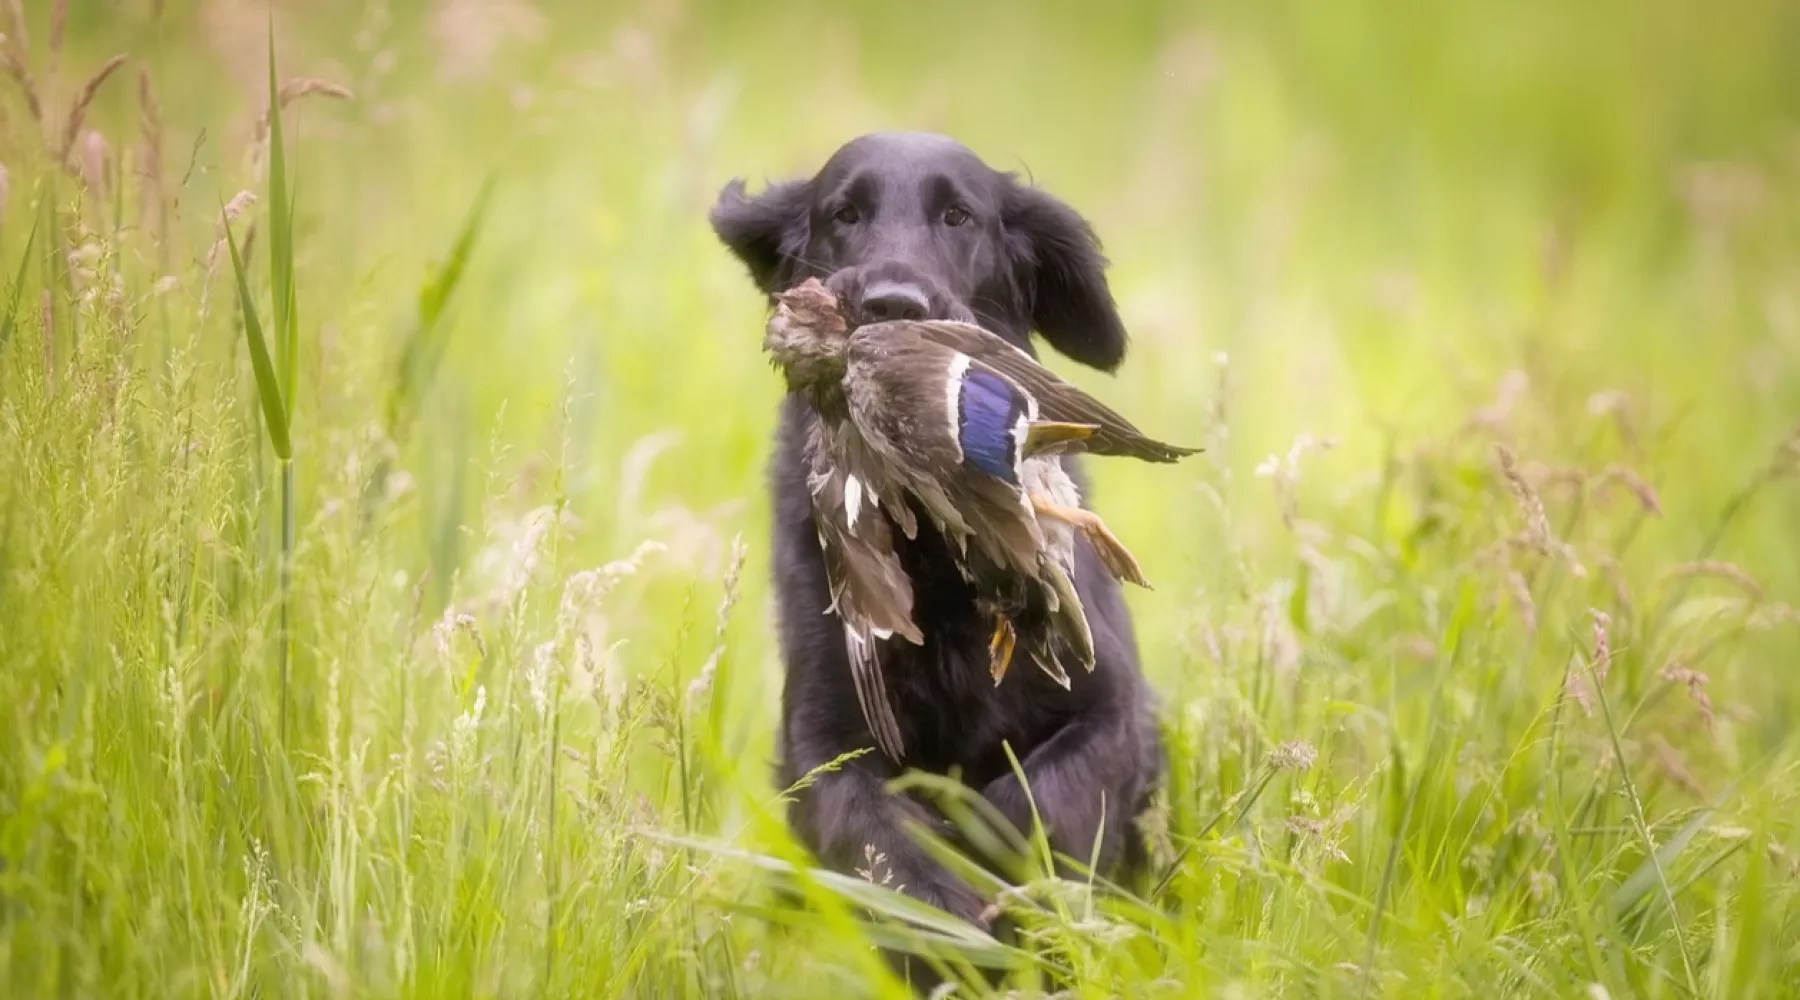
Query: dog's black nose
(894,300)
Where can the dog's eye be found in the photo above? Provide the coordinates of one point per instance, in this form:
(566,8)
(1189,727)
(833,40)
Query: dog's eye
(848,215)
(954,216)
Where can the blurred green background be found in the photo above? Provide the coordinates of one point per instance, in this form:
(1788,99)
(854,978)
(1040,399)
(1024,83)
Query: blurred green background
(1413,229)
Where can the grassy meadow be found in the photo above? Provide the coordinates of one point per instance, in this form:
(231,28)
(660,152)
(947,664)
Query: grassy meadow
(389,615)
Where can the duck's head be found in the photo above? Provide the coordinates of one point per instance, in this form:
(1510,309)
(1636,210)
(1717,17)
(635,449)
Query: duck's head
(807,335)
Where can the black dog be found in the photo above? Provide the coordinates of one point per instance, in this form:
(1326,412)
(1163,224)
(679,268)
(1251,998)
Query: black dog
(916,226)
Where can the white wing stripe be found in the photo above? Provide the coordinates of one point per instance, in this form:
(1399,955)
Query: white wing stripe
(853,495)
(953,383)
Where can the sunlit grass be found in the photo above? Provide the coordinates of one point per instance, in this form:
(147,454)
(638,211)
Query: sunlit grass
(1470,628)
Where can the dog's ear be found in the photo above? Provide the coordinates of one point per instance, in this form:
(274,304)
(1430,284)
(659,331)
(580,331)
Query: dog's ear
(1062,276)
(765,231)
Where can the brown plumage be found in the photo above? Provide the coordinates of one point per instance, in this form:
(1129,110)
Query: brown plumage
(953,419)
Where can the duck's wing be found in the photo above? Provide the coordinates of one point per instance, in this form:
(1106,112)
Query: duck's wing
(1059,402)
(870,590)
(955,427)
(871,692)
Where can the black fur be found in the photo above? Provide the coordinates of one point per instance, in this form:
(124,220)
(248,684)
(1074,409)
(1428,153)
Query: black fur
(927,216)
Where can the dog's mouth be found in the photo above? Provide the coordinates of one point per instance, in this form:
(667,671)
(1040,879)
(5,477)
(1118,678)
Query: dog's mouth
(890,291)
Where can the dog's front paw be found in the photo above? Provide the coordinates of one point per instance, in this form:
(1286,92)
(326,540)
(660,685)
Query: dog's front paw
(957,898)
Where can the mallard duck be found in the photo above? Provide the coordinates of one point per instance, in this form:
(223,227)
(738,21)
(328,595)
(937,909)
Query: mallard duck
(951,418)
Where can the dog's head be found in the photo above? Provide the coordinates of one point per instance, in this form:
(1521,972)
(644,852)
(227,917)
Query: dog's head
(913,226)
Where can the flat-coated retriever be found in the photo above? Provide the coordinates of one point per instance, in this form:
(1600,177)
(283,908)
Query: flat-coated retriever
(917,226)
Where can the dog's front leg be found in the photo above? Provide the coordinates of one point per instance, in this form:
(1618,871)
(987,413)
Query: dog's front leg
(855,825)
(1087,783)
(1090,778)
(846,815)
(845,812)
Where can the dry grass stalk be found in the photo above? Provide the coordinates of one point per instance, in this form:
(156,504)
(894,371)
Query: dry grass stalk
(1720,570)
(1636,486)
(238,205)
(1617,405)
(79,106)
(1537,523)
(1602,658)
(701,686)
(150,128)
(59,21)
(235,207)
(14,59)
(1284,472)
(295,89)
(5,191)
(1770,616)
(16,16)
(1537,535)
(1695,682)
(1545,477)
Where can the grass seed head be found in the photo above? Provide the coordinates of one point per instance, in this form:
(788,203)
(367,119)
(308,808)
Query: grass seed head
(1718,569)
(1695,682)
(1602,658)
(1293,755)
(444,632)
(540,676)
(1537,524)
(238,205)
(294,90)
(14,59)
(78,108)
(1635,485)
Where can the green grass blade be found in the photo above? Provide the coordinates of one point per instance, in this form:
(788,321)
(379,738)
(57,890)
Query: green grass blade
(425,343)
(1653,859)
(268,387)
(912,940)
(1645,877)
(281,240)
(437,292)
(10,320)
(1748,956)
(877,899)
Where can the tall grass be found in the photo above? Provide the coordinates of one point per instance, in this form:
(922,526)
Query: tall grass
(277,381)
(1471,623)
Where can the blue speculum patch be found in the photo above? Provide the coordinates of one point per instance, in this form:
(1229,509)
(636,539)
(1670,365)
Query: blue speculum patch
(989,409)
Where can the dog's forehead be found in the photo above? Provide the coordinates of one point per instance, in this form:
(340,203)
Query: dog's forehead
(904,156)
